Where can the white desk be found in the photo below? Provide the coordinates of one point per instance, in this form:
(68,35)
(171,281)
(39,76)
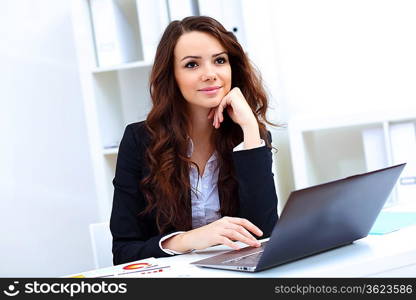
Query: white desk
(389,255)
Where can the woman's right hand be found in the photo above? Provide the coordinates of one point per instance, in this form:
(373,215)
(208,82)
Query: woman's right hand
(223,231)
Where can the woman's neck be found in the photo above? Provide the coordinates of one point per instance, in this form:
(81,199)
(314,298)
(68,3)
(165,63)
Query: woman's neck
(200,128)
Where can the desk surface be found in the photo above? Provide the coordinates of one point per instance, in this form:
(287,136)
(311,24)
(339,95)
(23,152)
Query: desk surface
(371,256)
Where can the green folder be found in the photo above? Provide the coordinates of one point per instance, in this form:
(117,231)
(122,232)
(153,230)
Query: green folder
(391,221)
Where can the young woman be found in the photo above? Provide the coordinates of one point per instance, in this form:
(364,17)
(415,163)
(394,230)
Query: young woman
(198,171)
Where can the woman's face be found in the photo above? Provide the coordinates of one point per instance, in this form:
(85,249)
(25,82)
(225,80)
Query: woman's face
(201,62)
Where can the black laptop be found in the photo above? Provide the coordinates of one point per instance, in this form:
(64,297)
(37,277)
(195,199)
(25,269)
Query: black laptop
(316,219)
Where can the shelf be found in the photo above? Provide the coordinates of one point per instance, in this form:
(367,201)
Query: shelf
(317,122)
(131,65)
(121,98)
(326,149)
(334,153)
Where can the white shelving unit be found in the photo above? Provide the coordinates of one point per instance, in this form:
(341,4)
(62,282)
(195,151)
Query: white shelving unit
(325,149)
(116,95)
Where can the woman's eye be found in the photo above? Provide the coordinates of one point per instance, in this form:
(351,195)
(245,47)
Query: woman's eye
(223,59)
(190,63)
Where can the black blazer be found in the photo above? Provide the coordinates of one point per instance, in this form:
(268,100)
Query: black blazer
(137,238)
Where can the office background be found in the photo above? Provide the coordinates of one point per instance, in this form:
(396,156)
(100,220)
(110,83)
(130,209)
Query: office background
(321,57)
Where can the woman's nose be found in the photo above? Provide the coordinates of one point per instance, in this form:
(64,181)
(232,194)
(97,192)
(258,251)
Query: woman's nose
(208,73)
(209,77)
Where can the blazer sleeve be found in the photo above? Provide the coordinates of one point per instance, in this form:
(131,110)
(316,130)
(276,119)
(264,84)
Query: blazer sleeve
(134,238)
(257,193)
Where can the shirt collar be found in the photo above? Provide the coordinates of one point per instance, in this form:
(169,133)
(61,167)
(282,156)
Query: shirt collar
(191,150)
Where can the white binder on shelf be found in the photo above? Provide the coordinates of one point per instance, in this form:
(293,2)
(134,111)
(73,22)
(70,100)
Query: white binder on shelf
(115,28)
(374,148)
(179,9)
(375,153)
(228,13)
(153,20)
(403,144)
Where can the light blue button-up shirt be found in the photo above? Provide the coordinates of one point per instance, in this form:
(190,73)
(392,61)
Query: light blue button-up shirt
(204,193)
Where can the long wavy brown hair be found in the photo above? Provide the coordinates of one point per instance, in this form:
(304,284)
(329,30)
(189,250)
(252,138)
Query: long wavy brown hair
(166,186)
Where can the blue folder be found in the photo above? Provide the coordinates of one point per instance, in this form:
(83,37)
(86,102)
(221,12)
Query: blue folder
(391,221)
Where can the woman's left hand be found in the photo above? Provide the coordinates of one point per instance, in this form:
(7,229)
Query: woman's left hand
(237,108)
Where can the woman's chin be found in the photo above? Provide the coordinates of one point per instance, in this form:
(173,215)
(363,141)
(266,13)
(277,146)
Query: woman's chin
(215,101)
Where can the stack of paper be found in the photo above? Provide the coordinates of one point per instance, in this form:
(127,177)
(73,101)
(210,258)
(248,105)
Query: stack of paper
(137,267)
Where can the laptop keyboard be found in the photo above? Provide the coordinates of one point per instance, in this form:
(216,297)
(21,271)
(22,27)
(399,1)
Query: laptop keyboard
(245,256)
(246,259)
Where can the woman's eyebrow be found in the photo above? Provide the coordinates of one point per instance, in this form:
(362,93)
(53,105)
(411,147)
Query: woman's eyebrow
(201,57)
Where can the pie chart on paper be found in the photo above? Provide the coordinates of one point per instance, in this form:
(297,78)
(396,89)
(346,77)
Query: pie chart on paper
(136,266)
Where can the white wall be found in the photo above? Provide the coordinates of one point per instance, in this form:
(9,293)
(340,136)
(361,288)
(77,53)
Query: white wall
(346,56)
(262,50)
(332,57)
(46,186)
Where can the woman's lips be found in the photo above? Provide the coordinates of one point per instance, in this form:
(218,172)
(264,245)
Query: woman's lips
(211,92)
